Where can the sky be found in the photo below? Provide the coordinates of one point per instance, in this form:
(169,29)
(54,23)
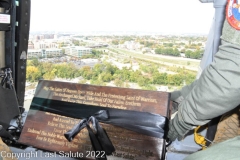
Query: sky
(175,16)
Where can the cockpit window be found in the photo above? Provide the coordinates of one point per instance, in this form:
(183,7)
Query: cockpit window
(150,45)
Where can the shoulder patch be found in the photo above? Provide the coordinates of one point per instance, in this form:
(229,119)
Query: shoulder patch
(233,13)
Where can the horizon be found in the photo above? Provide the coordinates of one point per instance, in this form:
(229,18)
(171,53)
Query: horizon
(115,33)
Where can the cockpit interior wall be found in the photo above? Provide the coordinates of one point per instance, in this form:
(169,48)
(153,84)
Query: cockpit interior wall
(14,33)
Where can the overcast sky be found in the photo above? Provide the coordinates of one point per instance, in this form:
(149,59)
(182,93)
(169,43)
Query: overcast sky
(178,16)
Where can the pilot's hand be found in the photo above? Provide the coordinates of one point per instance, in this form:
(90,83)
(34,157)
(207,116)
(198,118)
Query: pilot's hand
(172,133)
(176,130)
(175,95)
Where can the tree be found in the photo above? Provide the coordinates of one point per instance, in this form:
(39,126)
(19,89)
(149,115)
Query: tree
(110,68)
(183,50)
(50,75)
(127,38)
(33,74)
(158,51)
(86,72)
(134,76)
(34,62)
(168,51)
(176,52)
(105,77)
(189,78)
(148,44)
(196,54)
(45,67)
(118,82)
(63,51)
(75,42)
(149,87)
(159,78)
(66,70)
(96,53)
(98,82)
(143,81)
(188,53)
(115,42)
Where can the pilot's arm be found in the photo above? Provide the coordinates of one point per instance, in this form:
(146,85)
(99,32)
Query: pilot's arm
(180,95)
(216,92)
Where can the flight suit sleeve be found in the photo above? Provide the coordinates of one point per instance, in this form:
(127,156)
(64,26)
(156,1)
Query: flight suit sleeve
(179,95)
(216,92)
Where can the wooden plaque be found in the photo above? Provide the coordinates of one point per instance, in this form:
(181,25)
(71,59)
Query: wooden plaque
(46,130)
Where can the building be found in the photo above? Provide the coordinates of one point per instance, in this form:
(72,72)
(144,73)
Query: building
(77,51)
(34,53)
(48,36)
(44,44)
(44,53)
(131,45)
(30,45)
(39,45)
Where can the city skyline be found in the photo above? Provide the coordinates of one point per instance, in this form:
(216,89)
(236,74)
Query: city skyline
(187,16)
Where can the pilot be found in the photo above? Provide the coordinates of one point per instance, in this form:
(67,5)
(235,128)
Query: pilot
(216,92)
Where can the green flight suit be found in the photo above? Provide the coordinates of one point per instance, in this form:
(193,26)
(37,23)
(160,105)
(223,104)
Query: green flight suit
(216,92)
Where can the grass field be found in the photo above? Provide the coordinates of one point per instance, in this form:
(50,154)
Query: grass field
(190,64)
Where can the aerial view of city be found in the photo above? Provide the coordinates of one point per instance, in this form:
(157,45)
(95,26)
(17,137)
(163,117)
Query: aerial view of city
(119,79)
(150,57)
